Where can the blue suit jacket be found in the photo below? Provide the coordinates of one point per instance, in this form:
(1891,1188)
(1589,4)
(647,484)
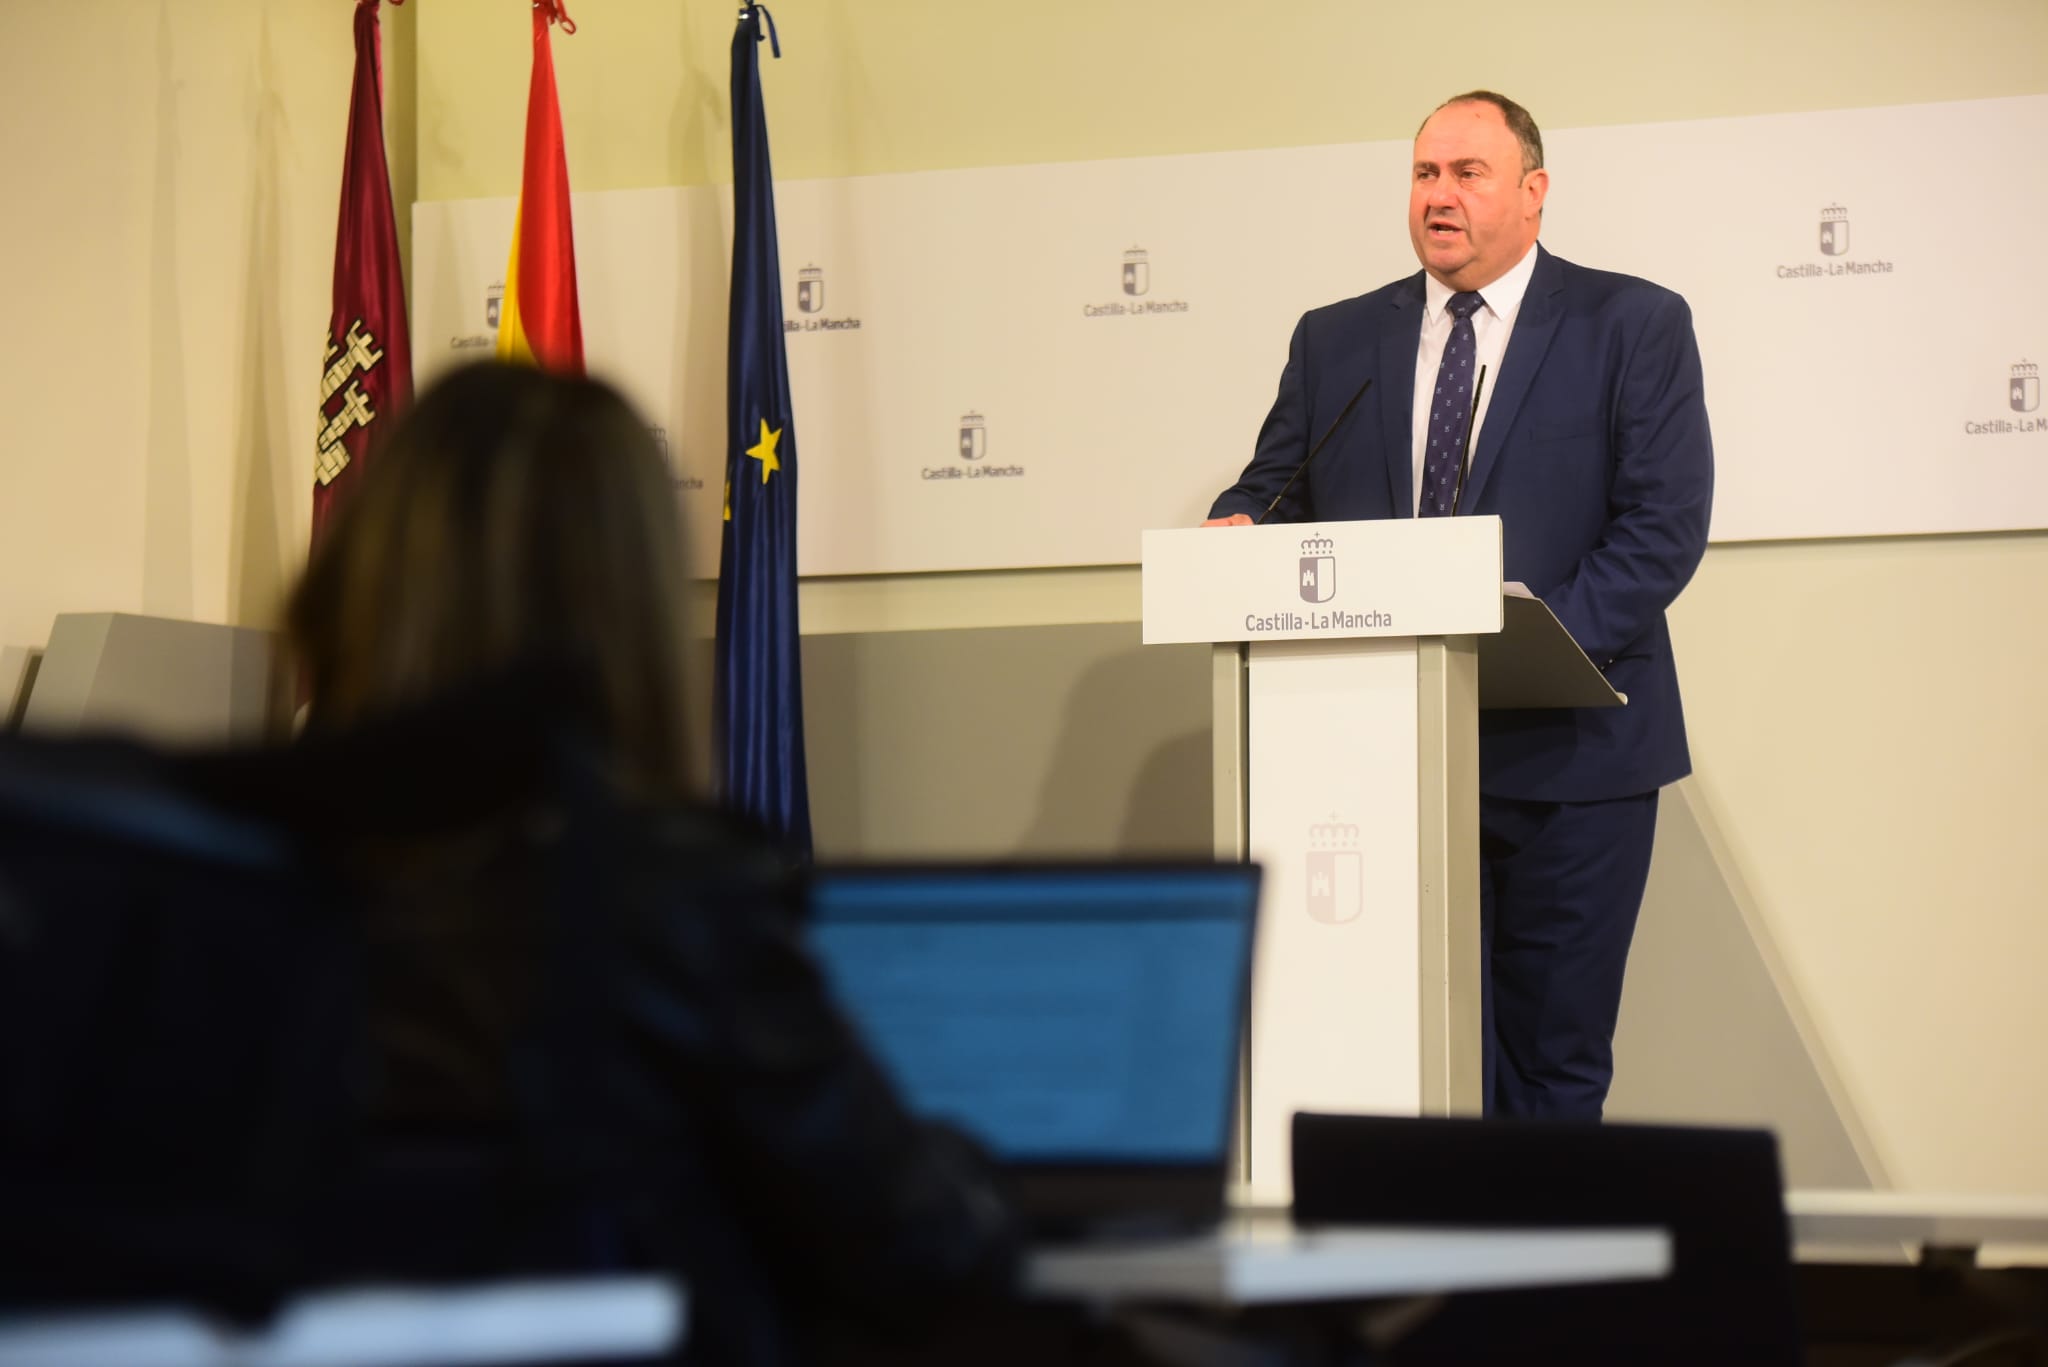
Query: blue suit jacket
(1596,455)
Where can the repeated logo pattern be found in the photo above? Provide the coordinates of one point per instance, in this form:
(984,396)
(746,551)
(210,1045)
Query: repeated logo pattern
(1834,230)
(1137,272)
(973,436)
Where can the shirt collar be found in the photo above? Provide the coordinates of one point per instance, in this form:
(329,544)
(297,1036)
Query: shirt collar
(1503,297)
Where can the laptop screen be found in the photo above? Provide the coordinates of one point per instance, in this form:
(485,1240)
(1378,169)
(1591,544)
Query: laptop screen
(1081,1015)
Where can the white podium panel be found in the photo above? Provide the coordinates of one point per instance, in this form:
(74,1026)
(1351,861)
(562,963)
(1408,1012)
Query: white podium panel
(1336,1011)
(1435,576)
(1346,761)
(1345,765)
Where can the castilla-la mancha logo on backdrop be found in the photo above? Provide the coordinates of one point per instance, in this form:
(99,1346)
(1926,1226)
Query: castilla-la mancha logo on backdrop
(1318,569)
(973,436)
(1336,872)
(1136,282)
(1834,248)
(2026,387)
(1137,271)
(1834,230)
(972,448)
(494,301)
(810,289)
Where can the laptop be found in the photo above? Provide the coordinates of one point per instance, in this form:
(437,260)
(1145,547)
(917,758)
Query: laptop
(1083,1022)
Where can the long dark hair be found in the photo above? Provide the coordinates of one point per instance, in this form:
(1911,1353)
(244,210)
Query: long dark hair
(512,516)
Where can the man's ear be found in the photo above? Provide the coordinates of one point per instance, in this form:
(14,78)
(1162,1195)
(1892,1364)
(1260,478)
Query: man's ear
(1536,185)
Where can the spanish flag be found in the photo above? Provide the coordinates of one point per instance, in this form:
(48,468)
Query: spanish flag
(538,322)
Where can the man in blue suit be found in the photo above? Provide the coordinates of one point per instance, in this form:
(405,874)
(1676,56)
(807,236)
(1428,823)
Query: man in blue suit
(1588,436)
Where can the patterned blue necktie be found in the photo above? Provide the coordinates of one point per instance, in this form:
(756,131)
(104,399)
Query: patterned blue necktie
(1451,410)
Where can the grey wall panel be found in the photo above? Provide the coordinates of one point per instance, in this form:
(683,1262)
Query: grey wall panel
(1712,1029)
(1007,741)
(1078,740)
(157,677)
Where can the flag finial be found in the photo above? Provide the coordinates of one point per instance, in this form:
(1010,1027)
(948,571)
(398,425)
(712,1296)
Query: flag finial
(774,41)
(555,12)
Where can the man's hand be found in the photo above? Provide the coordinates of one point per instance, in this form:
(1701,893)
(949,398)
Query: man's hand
(1234,520)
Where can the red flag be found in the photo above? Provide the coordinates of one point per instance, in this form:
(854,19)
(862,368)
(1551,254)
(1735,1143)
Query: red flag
(538,321)
(367,374)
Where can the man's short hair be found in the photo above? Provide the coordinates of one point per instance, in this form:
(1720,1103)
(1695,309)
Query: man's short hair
(1518,119)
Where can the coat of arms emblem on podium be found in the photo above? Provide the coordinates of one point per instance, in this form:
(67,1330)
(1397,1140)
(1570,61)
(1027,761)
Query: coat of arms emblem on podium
(1336,872)
(1318,569)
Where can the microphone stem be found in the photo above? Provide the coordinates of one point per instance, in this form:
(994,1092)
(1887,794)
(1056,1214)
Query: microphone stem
(1328,432)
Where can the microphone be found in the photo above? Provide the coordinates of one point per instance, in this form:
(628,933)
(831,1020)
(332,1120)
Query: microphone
(1465,447)
(1328,432)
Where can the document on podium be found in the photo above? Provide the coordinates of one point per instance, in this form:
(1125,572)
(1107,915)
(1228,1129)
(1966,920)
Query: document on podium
(1534,662)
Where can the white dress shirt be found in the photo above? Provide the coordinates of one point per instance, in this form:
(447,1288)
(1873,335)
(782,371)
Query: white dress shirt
(1490,328)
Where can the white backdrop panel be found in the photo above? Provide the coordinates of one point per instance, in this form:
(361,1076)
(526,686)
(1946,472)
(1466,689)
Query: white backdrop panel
(1864,391)
(1019,366)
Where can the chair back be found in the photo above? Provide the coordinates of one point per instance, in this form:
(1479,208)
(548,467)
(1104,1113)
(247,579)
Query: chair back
(177,1007)
(186,1061)
(1718,1192)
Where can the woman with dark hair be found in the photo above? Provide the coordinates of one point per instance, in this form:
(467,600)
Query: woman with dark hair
(588,969)
(512,517)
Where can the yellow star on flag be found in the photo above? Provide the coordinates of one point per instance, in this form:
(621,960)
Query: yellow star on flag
(764,450)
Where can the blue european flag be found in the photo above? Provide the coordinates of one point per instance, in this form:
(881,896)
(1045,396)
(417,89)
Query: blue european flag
(759,692)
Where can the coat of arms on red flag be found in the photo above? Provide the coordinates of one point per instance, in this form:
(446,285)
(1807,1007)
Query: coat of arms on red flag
(367,372)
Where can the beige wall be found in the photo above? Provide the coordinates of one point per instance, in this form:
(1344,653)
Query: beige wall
(1869,738)
(1844,925)
(872,86)
(172,175)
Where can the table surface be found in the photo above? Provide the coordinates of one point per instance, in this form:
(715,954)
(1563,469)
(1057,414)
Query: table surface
(1261,1258)
(1939,1219)
(1258,1256)
(576,1319)
(1254,1257)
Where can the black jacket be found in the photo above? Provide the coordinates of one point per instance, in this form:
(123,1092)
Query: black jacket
(575,1032)
(642,1010)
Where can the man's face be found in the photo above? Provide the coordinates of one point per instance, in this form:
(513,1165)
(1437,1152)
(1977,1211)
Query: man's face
(1472,214)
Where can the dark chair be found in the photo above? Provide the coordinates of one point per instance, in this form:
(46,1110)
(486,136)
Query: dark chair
(175,1035)
(183,1054)
(1729,1299)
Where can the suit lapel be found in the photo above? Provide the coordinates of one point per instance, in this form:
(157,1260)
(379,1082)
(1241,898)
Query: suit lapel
(1399,338)
(1535,325)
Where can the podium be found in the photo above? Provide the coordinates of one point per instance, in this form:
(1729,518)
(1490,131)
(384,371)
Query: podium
(1351,661)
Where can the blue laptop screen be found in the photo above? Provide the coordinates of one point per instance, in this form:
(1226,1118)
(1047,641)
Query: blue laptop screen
(1058,1015)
